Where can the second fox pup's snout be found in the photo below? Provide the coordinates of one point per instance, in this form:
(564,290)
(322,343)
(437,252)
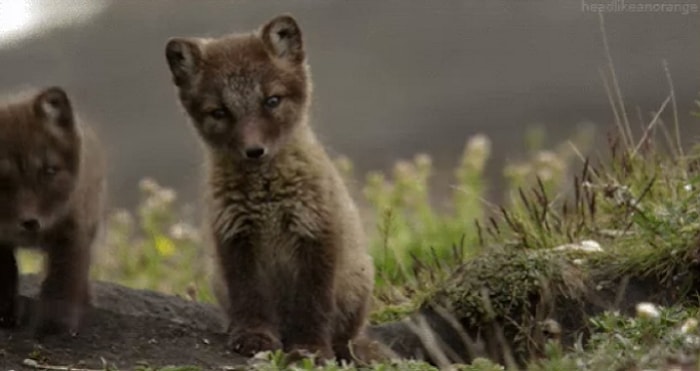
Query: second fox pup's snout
(28,220)
(30,224)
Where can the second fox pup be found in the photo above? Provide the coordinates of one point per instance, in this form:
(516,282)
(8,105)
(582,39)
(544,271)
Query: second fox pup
(51,192)
(288,237)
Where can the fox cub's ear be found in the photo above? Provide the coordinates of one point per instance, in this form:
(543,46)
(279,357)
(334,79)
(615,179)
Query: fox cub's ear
(52,104)
(282,36)
(184,58)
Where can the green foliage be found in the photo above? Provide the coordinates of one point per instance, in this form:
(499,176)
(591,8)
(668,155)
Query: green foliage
(519,276)
(638,208)
(391,312)
(157,249)
(279,361)
(620,342)
(480,364)
(412,234)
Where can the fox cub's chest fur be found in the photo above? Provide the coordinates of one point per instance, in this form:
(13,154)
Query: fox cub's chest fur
(276,208)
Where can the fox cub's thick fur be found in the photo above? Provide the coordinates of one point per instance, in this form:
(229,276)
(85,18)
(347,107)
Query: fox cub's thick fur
(291,250)
(51,192)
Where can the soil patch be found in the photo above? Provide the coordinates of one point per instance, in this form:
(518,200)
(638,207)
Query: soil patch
(125,328)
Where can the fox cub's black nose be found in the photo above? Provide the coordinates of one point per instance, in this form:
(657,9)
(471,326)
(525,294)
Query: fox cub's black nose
(30,225)
(255,152)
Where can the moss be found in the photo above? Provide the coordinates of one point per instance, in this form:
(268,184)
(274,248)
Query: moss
(506,283)
(512,291)
(515,290)
(672,267)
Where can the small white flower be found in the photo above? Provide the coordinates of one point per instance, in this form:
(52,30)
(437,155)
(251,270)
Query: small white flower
(591,246)
(692,340)
(30,363)
(149,185)
(184,231)
(647,310)
(422,160)
(178,231)
(547,157)
(588,246)
(479,143)
(264,355)
(545,174)
(690,325)
(122,217)
(688,187)
(167,195)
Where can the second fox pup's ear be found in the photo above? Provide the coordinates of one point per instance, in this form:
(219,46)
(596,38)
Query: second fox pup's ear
(282,36)
(184,57)
(53,105)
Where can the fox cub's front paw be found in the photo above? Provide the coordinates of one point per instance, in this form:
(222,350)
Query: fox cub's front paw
(249,342)
(57,317)
(8,316)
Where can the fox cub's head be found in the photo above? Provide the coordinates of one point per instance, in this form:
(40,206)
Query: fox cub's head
(39,160)
(245,93)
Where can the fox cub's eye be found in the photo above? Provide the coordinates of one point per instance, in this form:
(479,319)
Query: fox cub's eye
(272,101)
(218,113)
(50,171)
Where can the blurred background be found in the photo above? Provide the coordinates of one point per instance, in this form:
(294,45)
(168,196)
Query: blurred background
(392,78)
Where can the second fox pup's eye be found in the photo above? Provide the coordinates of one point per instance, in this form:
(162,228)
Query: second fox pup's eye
(272,101)
(218,113)
(50,170)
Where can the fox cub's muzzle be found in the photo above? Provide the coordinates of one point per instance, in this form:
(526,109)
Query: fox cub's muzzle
(255,153)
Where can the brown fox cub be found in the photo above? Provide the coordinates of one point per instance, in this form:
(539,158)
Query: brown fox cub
(51,189)
(290,247)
